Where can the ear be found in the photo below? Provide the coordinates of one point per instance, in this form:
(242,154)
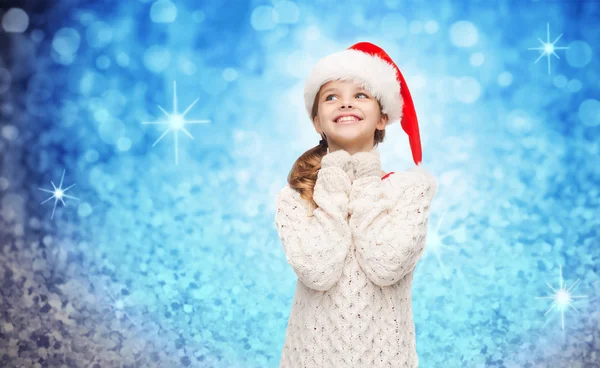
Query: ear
(317,125)
(381,124)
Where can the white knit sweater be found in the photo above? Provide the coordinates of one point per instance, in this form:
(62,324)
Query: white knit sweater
(354,257)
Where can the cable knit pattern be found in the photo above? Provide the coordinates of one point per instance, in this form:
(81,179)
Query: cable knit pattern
(353,302)
(316,244)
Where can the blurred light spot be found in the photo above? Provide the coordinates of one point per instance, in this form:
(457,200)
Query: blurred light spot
(111,130)
(34,223)
(157,58)
(84,209)
(287,12)
(92,83)
(505,79)
(579,54)
(122,59)
(560,81)
(99,34)
(86,17)
(198,16)
(47,240)
(312,33)
(12,206)
(431,26)
(263,18)
(102,115)
(91,155)
(574,85)
(5,80)
(280,32)
(415,27)
(66,41)
(124,144)
(102,62)
(467,89)
(477,59)
(69,112)
(393,25)
(297,62)
(518,121)
(589,112)
(463,34)
(66,59)
(115,100)
(10,132)
(37,35)
(230,74)
(69,119)
(163,11)
(4,183)
(187,66)
(15,20)
(6,108)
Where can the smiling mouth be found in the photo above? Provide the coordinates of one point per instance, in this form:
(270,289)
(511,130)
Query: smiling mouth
(352,121)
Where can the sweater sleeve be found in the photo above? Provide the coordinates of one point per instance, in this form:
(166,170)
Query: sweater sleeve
(390,227)
(316,245)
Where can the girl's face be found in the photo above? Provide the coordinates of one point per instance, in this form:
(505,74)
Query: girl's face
(338,98)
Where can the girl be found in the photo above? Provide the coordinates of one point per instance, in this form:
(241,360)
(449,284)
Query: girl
(353,234)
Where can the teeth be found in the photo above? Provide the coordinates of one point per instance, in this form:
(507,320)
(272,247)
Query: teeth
(347,118)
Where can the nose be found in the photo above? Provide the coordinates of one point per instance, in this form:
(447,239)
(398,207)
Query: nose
(346,102)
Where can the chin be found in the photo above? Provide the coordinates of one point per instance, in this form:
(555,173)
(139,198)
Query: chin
(346,139)
(348,123)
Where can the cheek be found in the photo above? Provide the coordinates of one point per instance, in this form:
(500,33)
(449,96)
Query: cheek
(372,113)
(325,112)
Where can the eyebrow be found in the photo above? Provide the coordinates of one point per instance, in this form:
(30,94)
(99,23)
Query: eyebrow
(335,89)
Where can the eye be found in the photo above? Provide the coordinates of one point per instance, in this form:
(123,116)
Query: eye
(360,93)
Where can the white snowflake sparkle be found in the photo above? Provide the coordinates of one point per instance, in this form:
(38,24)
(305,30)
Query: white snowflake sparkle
(176,122)
(562,298)
(435,243)
(58,193)
(548,47)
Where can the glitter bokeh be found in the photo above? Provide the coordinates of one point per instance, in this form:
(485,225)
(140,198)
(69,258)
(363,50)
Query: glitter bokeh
(163,250)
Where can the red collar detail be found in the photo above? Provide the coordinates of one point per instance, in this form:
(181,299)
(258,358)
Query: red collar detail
(388,174)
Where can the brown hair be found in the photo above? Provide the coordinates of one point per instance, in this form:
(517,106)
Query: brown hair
(303,175)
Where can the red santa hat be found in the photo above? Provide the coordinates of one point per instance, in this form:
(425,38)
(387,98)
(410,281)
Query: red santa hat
(368,65)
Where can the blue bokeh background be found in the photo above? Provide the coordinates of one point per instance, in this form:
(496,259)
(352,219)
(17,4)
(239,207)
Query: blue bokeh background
(169,255)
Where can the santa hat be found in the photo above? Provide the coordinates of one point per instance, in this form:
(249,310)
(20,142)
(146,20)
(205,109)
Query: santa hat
(370,66)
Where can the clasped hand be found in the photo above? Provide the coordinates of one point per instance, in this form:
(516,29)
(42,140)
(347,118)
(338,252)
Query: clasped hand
(358,165)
